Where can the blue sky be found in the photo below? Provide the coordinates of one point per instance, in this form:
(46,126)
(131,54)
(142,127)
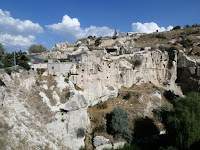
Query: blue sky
(51,21)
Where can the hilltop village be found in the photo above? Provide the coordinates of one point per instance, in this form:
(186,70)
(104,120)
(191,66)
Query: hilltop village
(62,102)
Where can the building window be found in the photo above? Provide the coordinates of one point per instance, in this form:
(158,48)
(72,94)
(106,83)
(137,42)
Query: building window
(53,68)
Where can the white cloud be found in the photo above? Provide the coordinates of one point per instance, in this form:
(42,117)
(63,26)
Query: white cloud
(70,27)
(18,33)
(148,27)
(14,26)
(11,41)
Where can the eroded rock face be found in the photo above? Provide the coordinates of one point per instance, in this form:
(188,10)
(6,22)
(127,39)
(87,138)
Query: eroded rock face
(41,120)
(110,74)
(188,73)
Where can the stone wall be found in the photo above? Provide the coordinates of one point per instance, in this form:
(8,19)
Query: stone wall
(59,67)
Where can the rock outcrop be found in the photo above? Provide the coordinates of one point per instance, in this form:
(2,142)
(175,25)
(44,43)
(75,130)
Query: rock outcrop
(188,73)
(100,140)
(48,120)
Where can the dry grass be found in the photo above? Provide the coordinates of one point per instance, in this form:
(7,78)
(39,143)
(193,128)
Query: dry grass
(134,106)
(63,96)
(4,128)
(153,40)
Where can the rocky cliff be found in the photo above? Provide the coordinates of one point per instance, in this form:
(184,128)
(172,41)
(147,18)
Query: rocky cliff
(50,111)
(35,113)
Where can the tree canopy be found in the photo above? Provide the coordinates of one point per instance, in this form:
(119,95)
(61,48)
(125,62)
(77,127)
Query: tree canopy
(120,124)
(184,122)
(176,28)
(2,53)
(36,49)
(21,60)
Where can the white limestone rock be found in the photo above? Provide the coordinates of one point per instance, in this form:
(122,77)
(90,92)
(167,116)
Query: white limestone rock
(117,145)
(103,147)
(100,140)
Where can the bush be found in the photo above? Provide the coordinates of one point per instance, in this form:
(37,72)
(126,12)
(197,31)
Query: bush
(160,36)
(66,80)
(187,26)
(157,88)
(186,43)
(102,106)
(40,71)
(97,41)
(80,132)
(100,128)
(176,28)
(8,71)
(127,96)
(68,94)
(183,124)
(120,124)
(160,113)
(137,63)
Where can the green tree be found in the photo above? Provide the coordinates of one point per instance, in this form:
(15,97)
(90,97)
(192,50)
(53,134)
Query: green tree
(2,53)
(8,60)
(21,60)
(120,124)
(176,28)
(184,122)
(36,49)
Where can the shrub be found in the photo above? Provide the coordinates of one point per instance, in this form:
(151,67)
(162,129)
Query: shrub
(156,88)
(25,65)
(8,71)
(127,96)
(96,120)
(160,36)
(137,63)
(66,80)
(187,26)
(186,43)
(102,106)
(100,128)
(160,113)
(40,71)
(120,124)
(80,132)
(68,94)
(97,41)
(195,25)
(176,28)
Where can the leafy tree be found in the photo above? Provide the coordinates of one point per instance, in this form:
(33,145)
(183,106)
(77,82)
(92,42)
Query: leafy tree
(8,60)
(176,28)
(183,124)
(2,53)
(21,60)
(36,49)
(120,124)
